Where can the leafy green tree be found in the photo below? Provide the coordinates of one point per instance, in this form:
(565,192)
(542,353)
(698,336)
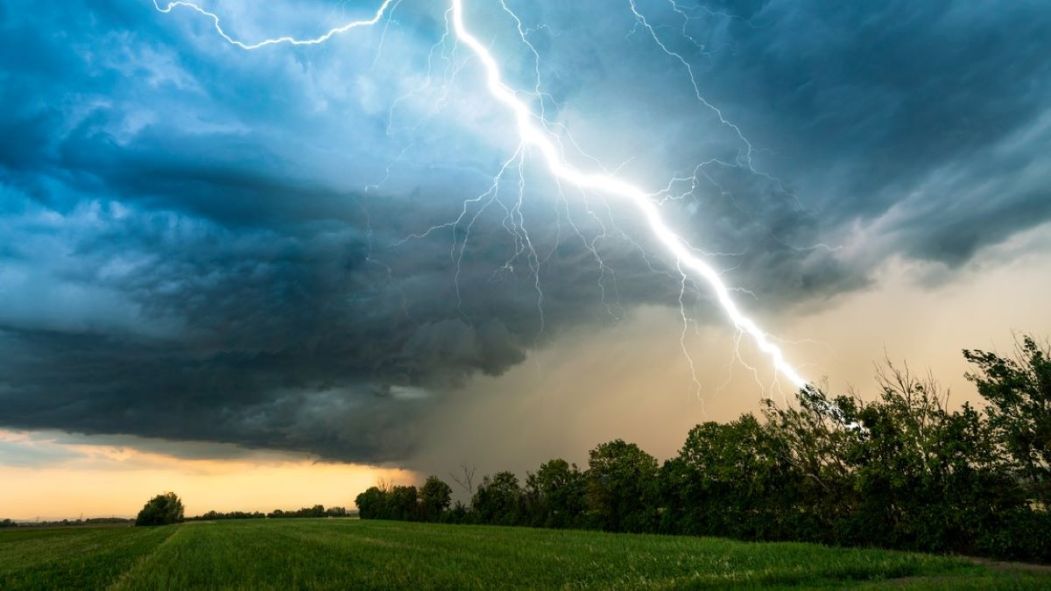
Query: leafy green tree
(403,503)
(622,488)
(819,433)
(498,499)
(732,479)
(458,514)
(435,497)
(1018,391)
(162,509)
(927,477)
(372,503)
(900,471)
(556,495)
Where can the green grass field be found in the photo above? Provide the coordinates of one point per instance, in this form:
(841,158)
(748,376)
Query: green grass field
(352,554)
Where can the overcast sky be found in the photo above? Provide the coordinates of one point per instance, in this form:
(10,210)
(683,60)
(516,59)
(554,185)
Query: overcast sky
(335,252)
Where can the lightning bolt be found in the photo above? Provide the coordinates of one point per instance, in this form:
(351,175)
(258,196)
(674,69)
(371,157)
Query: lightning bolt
(376,17)
(534,134)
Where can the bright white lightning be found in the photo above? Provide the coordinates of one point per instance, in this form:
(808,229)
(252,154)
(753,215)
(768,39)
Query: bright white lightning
(532,134)
(376,16)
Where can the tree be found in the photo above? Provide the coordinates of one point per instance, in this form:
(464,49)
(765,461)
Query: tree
(622,487)
(498,499)
(435,497)
(372,503)
(923,474)
(161,510)
(900,471)
(555,495)
(819,433)
(1019,394)
(458,514)
(729,479)
(402,503)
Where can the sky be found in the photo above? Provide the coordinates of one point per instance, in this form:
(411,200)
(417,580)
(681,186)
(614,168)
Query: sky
(272,278)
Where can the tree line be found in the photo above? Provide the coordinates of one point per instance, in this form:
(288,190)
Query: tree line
(902,471)
(315,511)
(6,523)
(167,508)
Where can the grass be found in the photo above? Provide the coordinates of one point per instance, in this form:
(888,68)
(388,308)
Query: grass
(352,554)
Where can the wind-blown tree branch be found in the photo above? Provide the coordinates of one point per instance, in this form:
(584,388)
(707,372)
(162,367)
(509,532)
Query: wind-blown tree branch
(1018,390)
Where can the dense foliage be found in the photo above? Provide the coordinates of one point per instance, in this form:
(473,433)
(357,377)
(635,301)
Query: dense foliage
(901,471)
(162,509)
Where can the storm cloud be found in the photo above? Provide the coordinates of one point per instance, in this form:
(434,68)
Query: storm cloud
(305,250)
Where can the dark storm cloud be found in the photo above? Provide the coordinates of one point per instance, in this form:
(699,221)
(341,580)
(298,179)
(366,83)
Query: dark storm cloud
(939,108)
(199,243)
(927,122)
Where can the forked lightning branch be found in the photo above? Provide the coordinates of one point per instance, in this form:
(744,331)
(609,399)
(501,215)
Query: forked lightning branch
(534,135)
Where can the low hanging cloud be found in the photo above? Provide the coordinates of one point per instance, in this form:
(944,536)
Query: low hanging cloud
(204,244)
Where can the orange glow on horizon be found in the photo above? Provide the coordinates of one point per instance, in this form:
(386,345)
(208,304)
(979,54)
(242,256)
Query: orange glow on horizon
(107,480)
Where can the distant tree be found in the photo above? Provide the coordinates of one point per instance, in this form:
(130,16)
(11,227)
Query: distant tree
(622,487)
(498,499)
(372,503)
(458,514)
(555,495)
(161,510)
(315,511)
(435,497)
(106,520)
(1019,394)
(402,503)
(7,523)
(216,516)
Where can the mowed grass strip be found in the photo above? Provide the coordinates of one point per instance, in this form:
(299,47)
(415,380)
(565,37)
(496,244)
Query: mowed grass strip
(352,554)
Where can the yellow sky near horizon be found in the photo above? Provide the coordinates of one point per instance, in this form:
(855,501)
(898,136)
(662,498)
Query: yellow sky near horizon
(92,480)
